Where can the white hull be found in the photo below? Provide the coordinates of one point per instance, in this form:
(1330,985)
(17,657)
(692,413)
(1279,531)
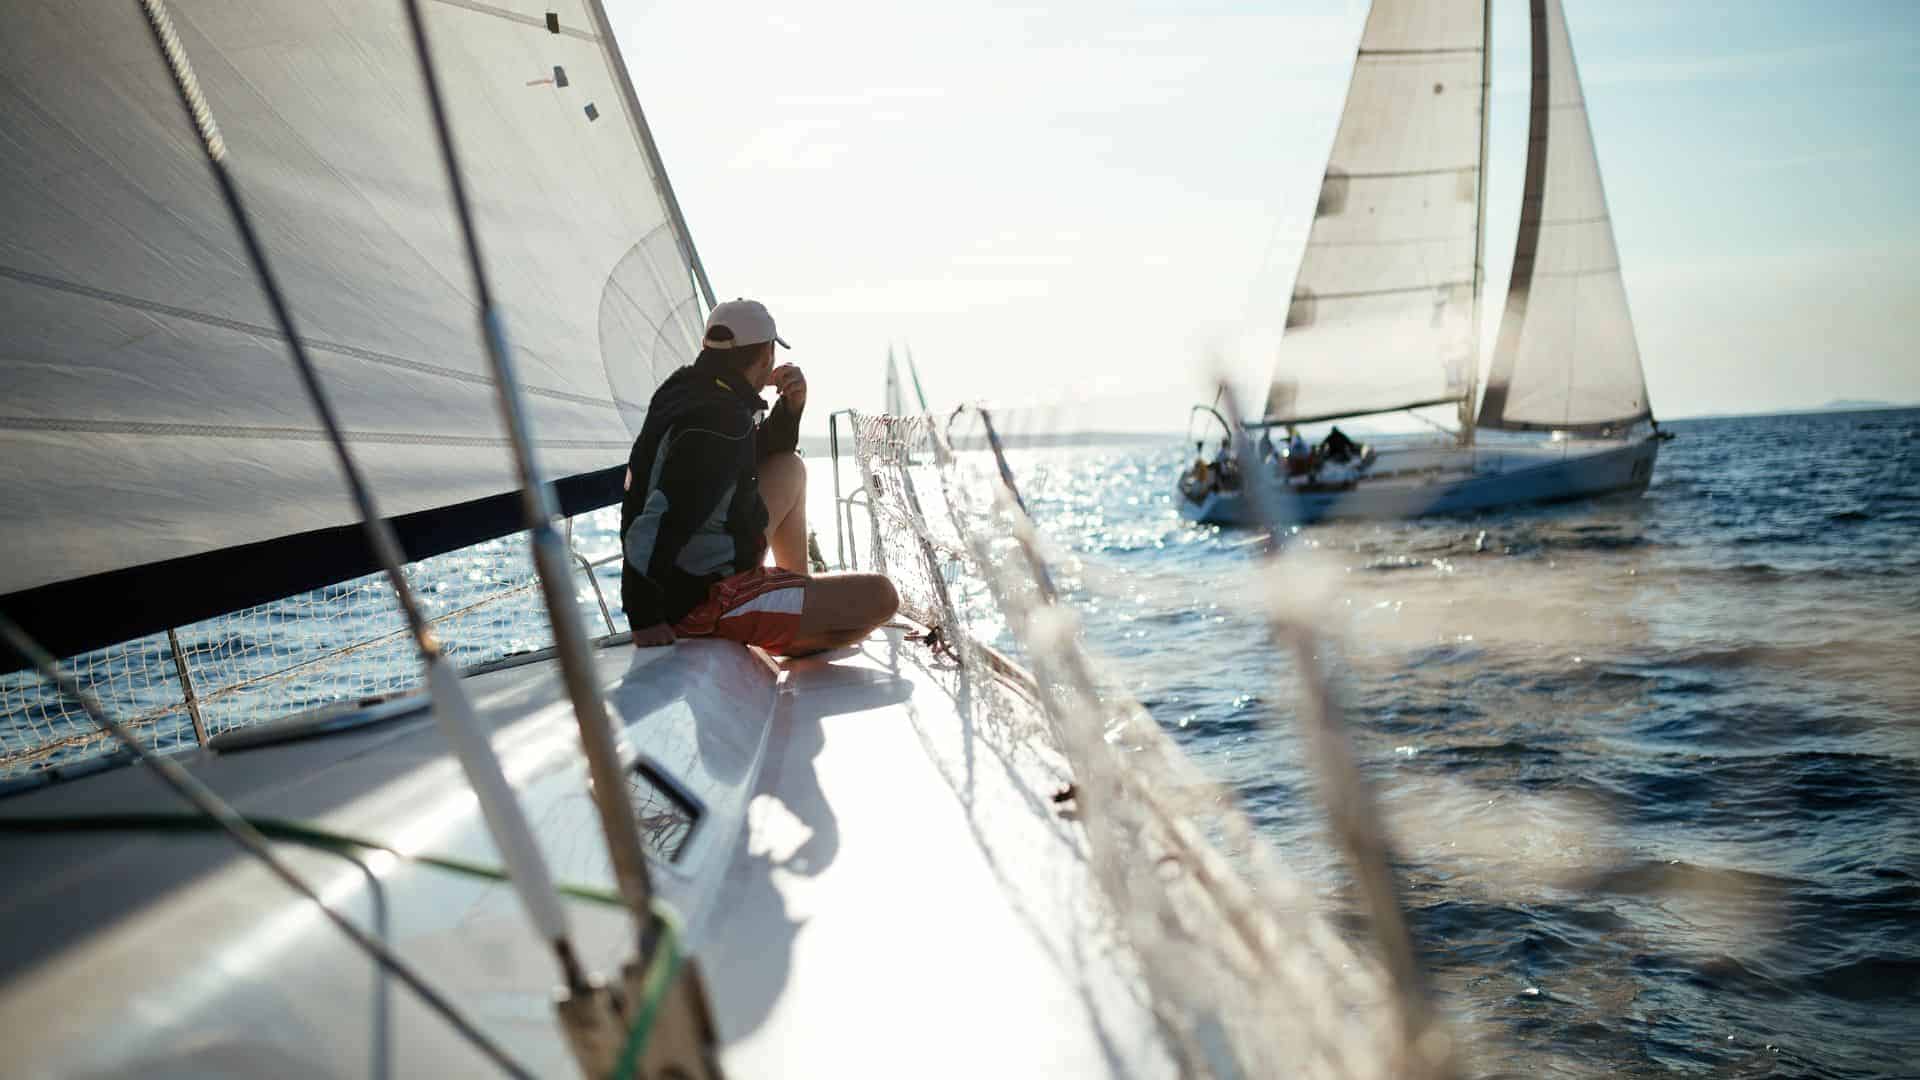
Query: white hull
(1451,481)
(859,882)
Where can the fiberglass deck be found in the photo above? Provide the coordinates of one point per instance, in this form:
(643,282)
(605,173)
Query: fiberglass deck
(902,897)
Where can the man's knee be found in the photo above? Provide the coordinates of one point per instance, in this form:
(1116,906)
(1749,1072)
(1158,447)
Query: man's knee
(884,599)
(861,601)
(785,470)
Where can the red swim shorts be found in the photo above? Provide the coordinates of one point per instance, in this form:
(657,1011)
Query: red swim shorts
(759,607)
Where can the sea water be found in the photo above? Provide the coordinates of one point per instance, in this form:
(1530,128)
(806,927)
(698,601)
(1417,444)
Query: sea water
(1652,765)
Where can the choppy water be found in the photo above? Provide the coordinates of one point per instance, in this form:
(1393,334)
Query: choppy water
(1654,766)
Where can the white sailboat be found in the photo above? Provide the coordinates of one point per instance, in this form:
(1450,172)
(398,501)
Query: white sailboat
(1387,304)
(162,468)
(896,402)
(877,859)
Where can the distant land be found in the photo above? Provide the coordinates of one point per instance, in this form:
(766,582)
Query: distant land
(1836,405)
(1857,404)
(818,446)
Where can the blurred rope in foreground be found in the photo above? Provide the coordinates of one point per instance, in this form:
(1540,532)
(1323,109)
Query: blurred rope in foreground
(1246,969)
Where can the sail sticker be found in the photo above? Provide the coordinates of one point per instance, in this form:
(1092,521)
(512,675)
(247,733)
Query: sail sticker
(592,112)
(553,22)
(559,75)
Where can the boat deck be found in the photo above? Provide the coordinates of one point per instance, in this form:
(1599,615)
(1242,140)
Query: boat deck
(872,867)
(909,902)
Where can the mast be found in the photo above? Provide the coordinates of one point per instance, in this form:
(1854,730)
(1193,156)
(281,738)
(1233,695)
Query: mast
(913,372)
(1565,358)
(1479,226)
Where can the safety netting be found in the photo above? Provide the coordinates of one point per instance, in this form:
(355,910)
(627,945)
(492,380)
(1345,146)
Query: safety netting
(343,643)
(1250,970)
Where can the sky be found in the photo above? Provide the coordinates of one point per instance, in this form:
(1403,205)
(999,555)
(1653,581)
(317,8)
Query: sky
(1084,207)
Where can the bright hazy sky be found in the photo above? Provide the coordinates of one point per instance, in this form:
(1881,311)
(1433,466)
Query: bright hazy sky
(1084,202)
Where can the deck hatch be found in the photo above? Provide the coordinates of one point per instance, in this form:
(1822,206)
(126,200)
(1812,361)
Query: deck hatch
(665,810)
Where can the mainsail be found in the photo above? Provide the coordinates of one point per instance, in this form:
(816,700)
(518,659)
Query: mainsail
(1566,357)
(156,450)
(1383,309)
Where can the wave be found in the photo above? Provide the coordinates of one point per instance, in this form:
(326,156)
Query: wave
(1843,653)
(1666,878)
(1869,979)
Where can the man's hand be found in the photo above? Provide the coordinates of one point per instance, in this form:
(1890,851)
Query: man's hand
(658,634)
(792,386)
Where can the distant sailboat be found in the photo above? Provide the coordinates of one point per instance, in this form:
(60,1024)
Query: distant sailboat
(896,403)
(896,400)
(1386,308)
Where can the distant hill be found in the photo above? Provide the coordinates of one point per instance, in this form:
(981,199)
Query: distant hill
(1857,405)
(1836,405)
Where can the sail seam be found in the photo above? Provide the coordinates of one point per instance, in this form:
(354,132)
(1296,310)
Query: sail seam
(1380,292)
(1411,241)
(1463,50)
(1449,171)
(222,431)
(27,277)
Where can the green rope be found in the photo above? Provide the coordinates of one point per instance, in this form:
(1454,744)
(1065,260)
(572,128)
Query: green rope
(290,831)
(662,967)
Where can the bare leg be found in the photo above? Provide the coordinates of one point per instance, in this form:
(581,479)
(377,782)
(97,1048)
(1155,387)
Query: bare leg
(841,609)
(783,487)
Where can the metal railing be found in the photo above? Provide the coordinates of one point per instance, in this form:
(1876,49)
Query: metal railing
(844,504)
(339,643)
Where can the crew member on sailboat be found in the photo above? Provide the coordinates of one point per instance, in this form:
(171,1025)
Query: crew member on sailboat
(711,493)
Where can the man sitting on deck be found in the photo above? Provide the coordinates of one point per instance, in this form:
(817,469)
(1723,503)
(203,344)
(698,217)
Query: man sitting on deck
(710,494)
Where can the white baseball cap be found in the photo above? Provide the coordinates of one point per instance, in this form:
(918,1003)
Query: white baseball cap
(748,322)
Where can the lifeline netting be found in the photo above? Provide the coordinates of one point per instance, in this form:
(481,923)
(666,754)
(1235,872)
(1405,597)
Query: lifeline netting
(1243,964)
(344,642)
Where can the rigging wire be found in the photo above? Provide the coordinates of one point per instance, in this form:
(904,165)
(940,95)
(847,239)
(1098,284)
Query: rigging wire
(218,810)
(549,553)
(1434,424)
(453,712)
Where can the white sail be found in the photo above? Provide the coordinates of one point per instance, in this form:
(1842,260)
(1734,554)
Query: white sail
(1566,357)
(896,404)
(150,411)
(1382,312)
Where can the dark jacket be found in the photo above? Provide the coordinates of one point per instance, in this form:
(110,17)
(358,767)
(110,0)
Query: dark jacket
(692,513)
